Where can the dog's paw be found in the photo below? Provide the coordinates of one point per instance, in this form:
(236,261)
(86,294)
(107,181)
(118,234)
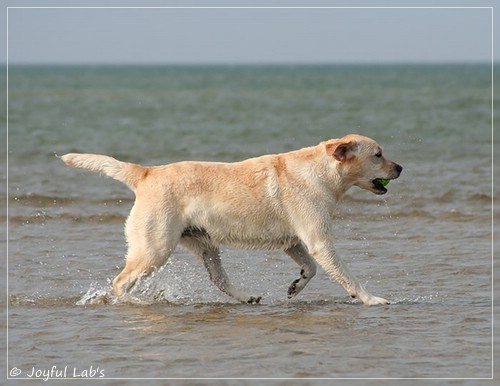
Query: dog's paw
(292,290)
(254,300)
(375,300)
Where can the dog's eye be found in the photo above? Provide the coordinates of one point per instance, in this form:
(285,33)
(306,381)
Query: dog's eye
(379,154)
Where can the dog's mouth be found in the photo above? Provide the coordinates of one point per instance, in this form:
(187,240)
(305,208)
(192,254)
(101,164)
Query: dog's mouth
(378,186)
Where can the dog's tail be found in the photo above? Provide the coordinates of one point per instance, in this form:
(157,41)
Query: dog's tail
(128,173)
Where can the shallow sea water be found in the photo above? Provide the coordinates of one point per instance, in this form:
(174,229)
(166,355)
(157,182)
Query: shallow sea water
(426,245)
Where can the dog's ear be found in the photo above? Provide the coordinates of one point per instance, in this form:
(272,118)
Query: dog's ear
(344,151)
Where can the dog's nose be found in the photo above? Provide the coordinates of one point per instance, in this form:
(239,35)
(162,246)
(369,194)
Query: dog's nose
(399,168)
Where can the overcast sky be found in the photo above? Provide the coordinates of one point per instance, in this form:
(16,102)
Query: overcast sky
(234,36)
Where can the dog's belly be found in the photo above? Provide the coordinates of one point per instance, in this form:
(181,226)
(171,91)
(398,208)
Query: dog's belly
(240,238)
(260,243)
(251,224)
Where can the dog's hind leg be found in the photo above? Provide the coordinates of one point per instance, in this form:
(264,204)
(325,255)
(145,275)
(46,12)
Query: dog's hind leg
(151,240)
(219,277)
(307,268)
(203,248)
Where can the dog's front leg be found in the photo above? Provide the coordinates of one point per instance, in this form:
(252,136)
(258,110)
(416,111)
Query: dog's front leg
(324,254)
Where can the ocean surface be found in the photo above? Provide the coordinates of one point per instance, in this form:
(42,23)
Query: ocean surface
(426,245)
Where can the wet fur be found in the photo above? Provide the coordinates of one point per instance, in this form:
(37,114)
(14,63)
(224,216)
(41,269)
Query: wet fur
(279,201)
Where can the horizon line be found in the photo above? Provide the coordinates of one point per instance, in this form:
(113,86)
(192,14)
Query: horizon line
(247,64)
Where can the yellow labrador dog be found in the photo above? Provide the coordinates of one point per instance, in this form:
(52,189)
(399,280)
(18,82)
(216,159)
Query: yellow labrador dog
(279,201)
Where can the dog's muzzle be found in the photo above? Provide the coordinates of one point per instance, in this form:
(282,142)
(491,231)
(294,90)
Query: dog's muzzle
(381,189)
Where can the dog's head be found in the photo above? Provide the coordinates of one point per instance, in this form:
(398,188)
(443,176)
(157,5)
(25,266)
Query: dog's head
(361,162)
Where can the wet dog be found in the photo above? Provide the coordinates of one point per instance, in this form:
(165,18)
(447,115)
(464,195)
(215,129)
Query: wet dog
(278,201)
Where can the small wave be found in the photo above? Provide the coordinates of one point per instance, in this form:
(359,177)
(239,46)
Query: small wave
(418,300)
(456,215)
(40,200)
(449,196)
(413,213)
(430,214)
(41,217)
(24,300)
(480,198)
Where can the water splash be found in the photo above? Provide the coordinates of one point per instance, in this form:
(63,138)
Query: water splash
(391,219)
(178,282)
(97,295)
(426,299)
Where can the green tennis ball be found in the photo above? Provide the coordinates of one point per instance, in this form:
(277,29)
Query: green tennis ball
(383,181)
